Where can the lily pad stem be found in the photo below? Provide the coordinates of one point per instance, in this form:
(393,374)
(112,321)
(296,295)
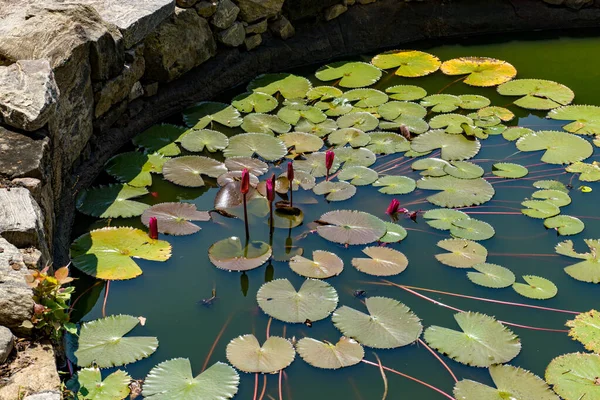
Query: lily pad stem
(214,345)
(382,371)
(105,299)
(264,389)
(280,386)
(439,359)
(452,83)
(255,386)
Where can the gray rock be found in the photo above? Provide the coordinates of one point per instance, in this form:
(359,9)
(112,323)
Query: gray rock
(186,3)
(577,4)
(150,89)
(47,395)
(259,27)
(253,10)
(334,11)
(206,9)
(23,155)
(232,36)
(16,298)
(178,45)
(34,185)
(225,15)
(252,41)
(7,343)
(282,28)
(105,122)
(32,258)
(137,91)
(28,94)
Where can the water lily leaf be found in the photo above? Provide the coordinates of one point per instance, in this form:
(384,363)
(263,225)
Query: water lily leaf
(565,225)
(484,121)
(236,176)
(556,197)
(536,288)
(395,184)
(509,170)
(560,147)
(483,341)
(587,270)
(314,301)
(114,387)
(410,63)
(351,227)
(365,98)
(187,170)
(350,74)
(174,218)
(355,157)
(472,130)
(539,209)
(102,343)
(111,201)
(265,123)
(173,380)
(388,325)
(246,354)
(585,328)
(413,124)
(352,136)
(302,142)
(441,103)
(198,140)
(431,166)
(515,132)
(452,123)
(254,102)
(290,86)
(336,191)
(324,93)
(574,376)
(249,144)
(482,71)
(395,233)
(463,170)
(358,176)
(229,254)
(323,265)
(292,115)
(491,276)
(589,172)
(462,253)
(383,261)
(550,184)
(511,382)
(395,109)
(286,220)
(345,353)
(321,129)
(442,218)
(135,168)
(360,120)
(314,164)
(206,112)
(473,101)
(457,192)
(107,253)
(334,108)
(471,229)
(504,114)
(586,119)
(160,139)
(406,92)
(387,143)
(453,147)
(538,94)
(302,180)
(255,167)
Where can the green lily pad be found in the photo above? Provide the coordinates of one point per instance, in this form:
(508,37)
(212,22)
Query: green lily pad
(112,201)
(509,170)
(565,225)
(302,142)
(314,164)
(462,253)
(301,180)
(351,227)
(198,140)
(484,121)
(471,229)
(586,119)
(452,123)
(431,166)
(539,209)
(587,270)
(355,157)
(457,192)
(114,387)
(395,233)
(395,109)
(383,261)
(536,288)
(515,132)
(230,255)
(387,143)
(249,144)
(345,353)
(314,301)
(550,184)
(442,218)
(336,191)
(585,328)
(491,276)
(160,139)
(504,114)
(413,124)
(293,114)
(358,176)
(352,136)
(173,380)
(388,325)
(441,103)
(135,168)
(290,86)
(406,92)
(324,93)
(206,112)
(480,71)
(556,197)
(453,147)
(265,123)
(350,74)
(538,94)
(574,376)
(483,341)
(236,176)
(254,166)
(495,130)
(409,63)
(335,108)
(321,129)
(174,218)
(254,102)
(365,97)
(589,172)
(473,101)
(360,120)
(392,184)
(102,343)
(246,354)
(560,147)
(187,170)
(323,265)
(463,170)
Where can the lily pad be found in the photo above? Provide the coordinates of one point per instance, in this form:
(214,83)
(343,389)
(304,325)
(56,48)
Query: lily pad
(480,71)
(187,170)
(323,265)
(483,341)
(198,140)
(538,94)
(350,74)
(254,166)
(587,270)
(551,184)
(565,225)
(392,184)
(473,101)
(431,166)
(585,328)
(395,233)
(365,97)
(586,119)
(360,120)
(345,353)
(452,123)
(324,93)
(314,164)
(351,227)
(355,157)
(302,142)
(556,197)
(457,192)
(174,218)
(471,229)
(589,172)
(236,176)
(321,129)
(249,144)
(205,113)
(265,123)
(173,380)
(290,86)
(301,180)
(114,387)
(335,108)
(293,114)
(441,103)
(560,147)
(336,191)
(358,176)
(387,143)
(254,102)
(515,132)
(135,168)
(160,139)
(539,209)
(406,92)
(453,147)
(314,301)
(574,376)
(491,276)
(462,253)
(509,170)
(352,136)
(413,124)
(536,288)
(409,63)
(395,109)
(230,255)
(504,114)
(246,354)
(383,261)
(442,218)
(463,170)
(388,325)
(112,201)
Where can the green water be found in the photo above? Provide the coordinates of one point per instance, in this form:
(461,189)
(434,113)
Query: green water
(168,293)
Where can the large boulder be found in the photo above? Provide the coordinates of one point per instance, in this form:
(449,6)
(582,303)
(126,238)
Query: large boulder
(178,45)
(253,10)
(232,36)
(23,155)
(45,395)
(28,94)
(7,343)
(225,15)
(16,298)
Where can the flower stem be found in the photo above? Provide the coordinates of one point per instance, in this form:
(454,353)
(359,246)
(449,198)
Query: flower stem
(105,298)
(438,358)
(214,345)
(246,220)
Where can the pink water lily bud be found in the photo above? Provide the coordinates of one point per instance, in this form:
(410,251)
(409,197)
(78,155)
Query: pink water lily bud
(153,224)
(290,172)
(245,186)
(271,188)
(393,207)
(329,157)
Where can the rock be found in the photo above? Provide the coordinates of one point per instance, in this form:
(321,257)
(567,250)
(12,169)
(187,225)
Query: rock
(34,185)
(299,9)
(577,4)
(28,94)
(178,45)
(35,372)
(16,298)
(334,11)
(137,91)
(23,155)
(225,15)
(32,258)
(117,89)
(186,3)
(7,343)
(366,1)
(282,28)
(46,395)
(252,41)
(150,89)
(253,10)
(206,9)
(554,2)
(349,2)
(103,124)
(232,36)
(259,27)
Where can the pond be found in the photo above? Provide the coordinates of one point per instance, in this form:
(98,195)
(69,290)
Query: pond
(195,309)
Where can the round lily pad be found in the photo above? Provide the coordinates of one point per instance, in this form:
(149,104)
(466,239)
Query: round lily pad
(515,132)
(409,63)
(574,376)
(586,119)
(321,129)
(198,140)
(536,288)
(556,197)
(539,209)
(383,261)
(413,124)
(314,164)
(538,94)
(352,136)
(589,172)
(254,102)
(301,180)
(290,86)
(114,387)
(246,354)
(355,157)
(565,225)
(441,103)
(455,192)
(112,201)
(236,176)
(205,113)
(431,166)
(293,114)
(335,191)
(585,328)
(249,144)
(587,270)
(365,97)
(160,139)
(358,175)
(509,170)
(471,229)
(387,143)
(462,253)
(229,254)
(491,276)
(360,120)
(174,218)
(350,74)
(504,114)
(187,170)
(406,92)
(254,166)
(336,107)
(302,142)
(453,147)
(135,168)
(351,227)
(265,123)
(560,147)
(392,184)
(480,71)
(550,184)
(324,93)
(463,170)
(345,353)
(442,218)
(473,101)
(451,123)
(394,234)
(323,265)
(395,109)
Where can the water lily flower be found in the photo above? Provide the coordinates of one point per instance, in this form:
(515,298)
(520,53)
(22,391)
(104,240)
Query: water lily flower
(393,207)
(153,224)
(245,185)
(329,157)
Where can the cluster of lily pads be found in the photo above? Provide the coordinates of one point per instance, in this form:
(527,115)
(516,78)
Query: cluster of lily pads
(285,117)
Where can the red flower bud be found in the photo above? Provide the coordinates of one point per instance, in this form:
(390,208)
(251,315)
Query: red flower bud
(245,186)
(329,157)
(393,207)
(271,188)
(153,223)
(290,172)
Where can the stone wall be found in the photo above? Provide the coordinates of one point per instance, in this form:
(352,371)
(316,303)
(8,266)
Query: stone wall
(79,78)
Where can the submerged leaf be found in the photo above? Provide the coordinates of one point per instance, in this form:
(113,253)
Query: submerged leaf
(246,354)
(135,168)
(323,265)
(345,353)
(538,94)
(174,218)
(383,261)
(229,254)
(351,227)
(462,253)
(536,288)
(482,71)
